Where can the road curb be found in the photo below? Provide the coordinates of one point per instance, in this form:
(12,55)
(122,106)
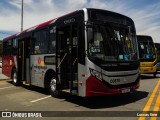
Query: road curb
(3,77)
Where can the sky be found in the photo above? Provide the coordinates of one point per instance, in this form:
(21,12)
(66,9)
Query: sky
(145,13)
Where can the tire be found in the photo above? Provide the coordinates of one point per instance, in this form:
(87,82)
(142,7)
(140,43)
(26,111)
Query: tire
(52,88)
(14,78)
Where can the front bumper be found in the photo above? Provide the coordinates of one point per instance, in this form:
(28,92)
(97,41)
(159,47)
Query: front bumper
(145,70)
(95,87)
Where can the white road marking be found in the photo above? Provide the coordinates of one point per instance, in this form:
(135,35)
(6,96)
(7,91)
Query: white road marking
(40,99)
(6,87)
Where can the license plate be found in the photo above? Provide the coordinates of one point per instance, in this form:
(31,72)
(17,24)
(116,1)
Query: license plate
(145,70)
(126,90)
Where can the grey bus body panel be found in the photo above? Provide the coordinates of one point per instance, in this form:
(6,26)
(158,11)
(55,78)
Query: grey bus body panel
(83,74)
(39,69)
(83,70)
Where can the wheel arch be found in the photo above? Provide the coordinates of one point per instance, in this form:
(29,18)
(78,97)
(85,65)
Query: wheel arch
(48,76)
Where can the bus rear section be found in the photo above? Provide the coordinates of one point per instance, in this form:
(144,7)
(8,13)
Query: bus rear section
(9,58)
(157,45)
(147,54)
(89,52)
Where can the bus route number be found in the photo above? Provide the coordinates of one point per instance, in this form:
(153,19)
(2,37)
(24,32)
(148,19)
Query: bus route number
(115,81)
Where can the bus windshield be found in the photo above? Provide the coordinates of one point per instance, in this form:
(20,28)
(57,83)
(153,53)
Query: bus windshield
(146,50)
(113,43)
(158,51)
(158,54)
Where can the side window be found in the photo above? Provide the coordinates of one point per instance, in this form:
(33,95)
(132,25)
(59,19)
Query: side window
(1,48)
(15,43)
(52,39)
(8,49)
(4,48)
(9,43)
(41,42)
(15,46)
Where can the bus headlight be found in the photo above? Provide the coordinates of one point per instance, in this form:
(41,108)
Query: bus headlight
(96,74)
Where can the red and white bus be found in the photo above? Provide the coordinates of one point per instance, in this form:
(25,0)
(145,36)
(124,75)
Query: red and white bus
(89,52)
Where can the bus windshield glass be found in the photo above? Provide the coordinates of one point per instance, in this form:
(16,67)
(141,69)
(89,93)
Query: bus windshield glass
(158,53)
(147,50)
(113,42)
(157,45)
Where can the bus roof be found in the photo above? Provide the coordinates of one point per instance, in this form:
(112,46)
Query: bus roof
(53,20)
(37,26)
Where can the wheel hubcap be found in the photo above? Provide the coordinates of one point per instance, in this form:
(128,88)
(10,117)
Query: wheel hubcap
(14,78)
(53,84)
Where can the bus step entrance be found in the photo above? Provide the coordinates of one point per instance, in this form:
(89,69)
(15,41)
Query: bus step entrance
(74,84)
(66,90)
(25,83)
(73,92)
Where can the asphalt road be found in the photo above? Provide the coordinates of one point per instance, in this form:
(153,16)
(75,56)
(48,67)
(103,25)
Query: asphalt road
(117,106)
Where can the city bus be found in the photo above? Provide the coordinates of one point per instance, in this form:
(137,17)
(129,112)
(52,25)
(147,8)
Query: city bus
(89,52)
(158,55)
(147,55)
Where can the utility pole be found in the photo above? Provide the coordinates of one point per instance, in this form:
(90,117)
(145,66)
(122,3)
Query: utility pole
(22,17)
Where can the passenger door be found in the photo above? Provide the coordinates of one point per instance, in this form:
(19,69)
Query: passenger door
(67,61)
(23,61)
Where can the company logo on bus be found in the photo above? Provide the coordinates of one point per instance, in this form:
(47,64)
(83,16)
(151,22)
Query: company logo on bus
(69,21)
(39,60)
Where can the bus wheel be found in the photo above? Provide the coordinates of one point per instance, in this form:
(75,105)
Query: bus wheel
(52,88)
(14,78)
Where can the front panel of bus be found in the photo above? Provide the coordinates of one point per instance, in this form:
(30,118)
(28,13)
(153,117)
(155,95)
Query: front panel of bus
(112,54)
(158,55)
(147,54)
